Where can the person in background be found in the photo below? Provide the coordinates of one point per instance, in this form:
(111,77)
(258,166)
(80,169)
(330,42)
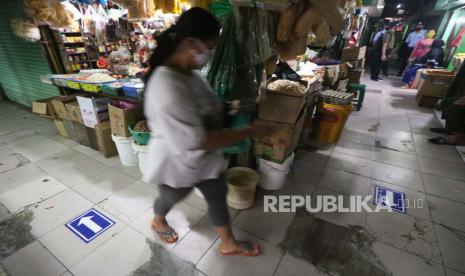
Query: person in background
(381,43)
(389,36)
(187,128)
(411,41)
(423,46)
(434,58)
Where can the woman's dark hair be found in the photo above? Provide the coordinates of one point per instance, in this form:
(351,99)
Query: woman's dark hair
(196,22)
(438,43)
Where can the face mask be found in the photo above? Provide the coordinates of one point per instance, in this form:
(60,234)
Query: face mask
(201,58)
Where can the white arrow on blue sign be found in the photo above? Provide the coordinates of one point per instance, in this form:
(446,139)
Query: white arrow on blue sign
(89,225)
(392,199)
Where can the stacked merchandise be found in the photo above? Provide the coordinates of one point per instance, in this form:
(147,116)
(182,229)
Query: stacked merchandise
(284,107)
(355,58)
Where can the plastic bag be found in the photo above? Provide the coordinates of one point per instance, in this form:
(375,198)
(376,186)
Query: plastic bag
(49,12)
(25,29)
(101,21)
(88,20)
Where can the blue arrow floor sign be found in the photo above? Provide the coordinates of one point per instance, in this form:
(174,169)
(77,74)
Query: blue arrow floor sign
(89,225)
(390,198)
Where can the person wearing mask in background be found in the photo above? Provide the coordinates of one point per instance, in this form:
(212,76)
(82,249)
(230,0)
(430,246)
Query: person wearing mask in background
(381,44)
(423,46)
(411,41)
(187,134)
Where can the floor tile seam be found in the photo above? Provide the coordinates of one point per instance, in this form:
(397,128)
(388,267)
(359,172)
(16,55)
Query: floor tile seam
(53,256)
(382,162)
(426,260)
(28,206)
(188,232)
(125,226)
(445,198)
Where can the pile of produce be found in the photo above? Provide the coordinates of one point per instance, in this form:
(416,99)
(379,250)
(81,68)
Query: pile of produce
(99,78)
(141,126)
(288,87)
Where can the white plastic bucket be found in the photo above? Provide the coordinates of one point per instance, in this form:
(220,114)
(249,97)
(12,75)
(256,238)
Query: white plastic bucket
(125,150)
(242,183)
(141,152)
(273,175)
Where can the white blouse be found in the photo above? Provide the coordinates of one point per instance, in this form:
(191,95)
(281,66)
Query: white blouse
(180,109)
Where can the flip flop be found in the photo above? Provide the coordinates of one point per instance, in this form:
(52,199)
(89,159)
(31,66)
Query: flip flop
(247,249)
(439,130)
(440,141)
(169,236)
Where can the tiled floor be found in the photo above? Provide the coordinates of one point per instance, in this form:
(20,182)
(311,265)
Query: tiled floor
(47,180)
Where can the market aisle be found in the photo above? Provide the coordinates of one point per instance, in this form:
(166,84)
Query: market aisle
(384,144)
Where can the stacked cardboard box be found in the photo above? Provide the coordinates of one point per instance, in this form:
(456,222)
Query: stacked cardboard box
(287,113)
(69,117)
(355,58)
(121,117)
(433,85)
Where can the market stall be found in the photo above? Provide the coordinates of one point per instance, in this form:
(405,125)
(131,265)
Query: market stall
(262,69)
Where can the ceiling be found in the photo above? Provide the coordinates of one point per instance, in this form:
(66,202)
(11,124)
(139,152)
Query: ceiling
(410,7)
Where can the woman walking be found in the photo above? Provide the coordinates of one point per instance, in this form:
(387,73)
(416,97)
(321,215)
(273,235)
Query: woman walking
(186,120)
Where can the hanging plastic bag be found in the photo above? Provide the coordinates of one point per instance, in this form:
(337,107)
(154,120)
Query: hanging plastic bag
(25,29)
(48,12)
(101,20)
(89,20)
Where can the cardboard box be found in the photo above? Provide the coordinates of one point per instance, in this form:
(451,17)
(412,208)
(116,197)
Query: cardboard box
(69,129)
(74,112)
(93,110)
(282,143)
(332,75)
(355,75)
(434,83)
(281,107)
(354,53)
(85,135)
(356,64)
(106,146)
(60,127)
(44,108)
(427,101)
(121,119)
(59,105)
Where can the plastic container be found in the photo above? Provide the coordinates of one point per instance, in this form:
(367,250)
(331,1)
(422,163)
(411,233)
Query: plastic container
(92,86)
(242,184)
(273,175)
(141,152)
(73,84)
(125,150)
(112,90)
(331,120)
(141,138)
(133,89)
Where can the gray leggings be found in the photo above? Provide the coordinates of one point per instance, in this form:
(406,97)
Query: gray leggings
(214,191)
